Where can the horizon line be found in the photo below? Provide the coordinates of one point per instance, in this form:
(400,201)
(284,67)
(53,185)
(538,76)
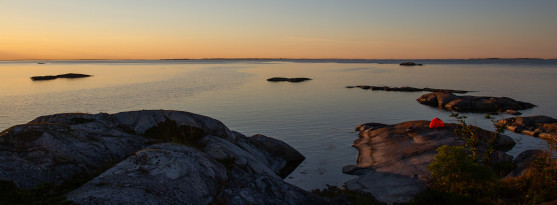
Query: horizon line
(122,59)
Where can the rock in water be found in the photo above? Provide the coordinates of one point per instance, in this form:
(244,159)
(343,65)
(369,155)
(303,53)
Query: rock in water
(67,75)
(292,80)
(449,101)
(406,89)
(392,159)
(411,64)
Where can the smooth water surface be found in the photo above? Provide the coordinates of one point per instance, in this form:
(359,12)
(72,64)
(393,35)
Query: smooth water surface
(316,117)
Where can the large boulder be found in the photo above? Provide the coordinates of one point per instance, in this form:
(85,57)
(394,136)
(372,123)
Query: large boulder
(392,159)
(36,153)
(196,168)
(449,101)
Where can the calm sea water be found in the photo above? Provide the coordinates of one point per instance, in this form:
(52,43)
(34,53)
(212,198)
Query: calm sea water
(316,117)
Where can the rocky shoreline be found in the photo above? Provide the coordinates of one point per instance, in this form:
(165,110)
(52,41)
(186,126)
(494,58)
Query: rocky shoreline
(392,159)
(150,157)
(537,126)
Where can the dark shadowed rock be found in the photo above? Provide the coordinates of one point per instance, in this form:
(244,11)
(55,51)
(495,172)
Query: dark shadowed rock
(67,75)
(538,126)
(392,159)
(286,157)
(411,64)
(524,161)
(466,103)
(406,89)
(293,80)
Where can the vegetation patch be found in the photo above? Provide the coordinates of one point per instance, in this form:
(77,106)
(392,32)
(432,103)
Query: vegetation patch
(80,120)
(453,170)
(463,175)
(169,131)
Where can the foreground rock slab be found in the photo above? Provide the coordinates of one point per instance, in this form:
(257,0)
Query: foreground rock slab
(158,174)
(67,75)
(392,159)
(406,89)
(538,126)
(466,103)
(152,157)
(292,80)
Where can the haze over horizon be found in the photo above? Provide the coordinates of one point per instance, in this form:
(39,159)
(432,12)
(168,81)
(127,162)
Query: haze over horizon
(354,29)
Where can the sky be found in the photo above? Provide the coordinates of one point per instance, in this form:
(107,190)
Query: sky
(362,29)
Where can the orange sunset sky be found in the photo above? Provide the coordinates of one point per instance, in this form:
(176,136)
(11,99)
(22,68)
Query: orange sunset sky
(149,29)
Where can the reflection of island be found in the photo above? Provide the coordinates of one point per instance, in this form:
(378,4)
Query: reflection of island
(67,75)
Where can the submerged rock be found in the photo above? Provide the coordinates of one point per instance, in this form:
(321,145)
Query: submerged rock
(466,103)
(392,159)
(196,168)
(67,75)
(292,80)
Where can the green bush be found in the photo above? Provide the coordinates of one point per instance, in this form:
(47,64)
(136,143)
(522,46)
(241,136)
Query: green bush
(453,170)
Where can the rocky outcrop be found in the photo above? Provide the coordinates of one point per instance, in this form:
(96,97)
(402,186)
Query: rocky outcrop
(292,80)
(156,157)
(466,103)
(411,64)
(392,159)
(67,75)
(537,126)
(158,174)
(406,89)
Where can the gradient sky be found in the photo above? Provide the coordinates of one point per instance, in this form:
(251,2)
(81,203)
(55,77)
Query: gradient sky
(155,29)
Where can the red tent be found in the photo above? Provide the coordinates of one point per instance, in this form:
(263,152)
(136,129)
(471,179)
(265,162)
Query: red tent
(436,123)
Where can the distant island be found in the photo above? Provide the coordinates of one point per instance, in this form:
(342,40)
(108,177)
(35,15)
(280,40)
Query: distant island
(52,77)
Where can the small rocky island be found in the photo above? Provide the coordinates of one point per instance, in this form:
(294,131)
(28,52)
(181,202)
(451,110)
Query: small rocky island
(405,89)
(411,64)
(292,80)
(67,75)
(146,157)
(467,103)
